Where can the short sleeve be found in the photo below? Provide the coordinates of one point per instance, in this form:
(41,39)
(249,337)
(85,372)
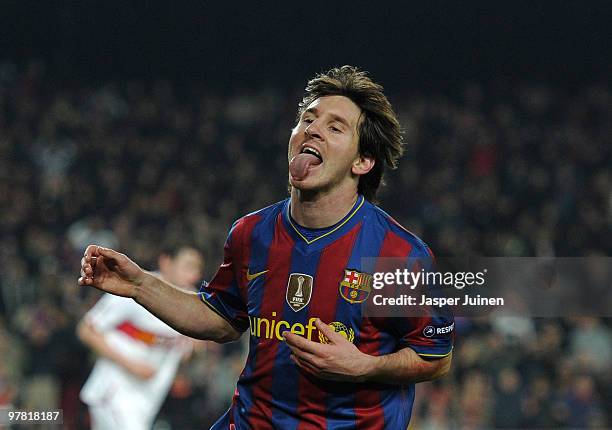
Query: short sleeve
(108,312)
(222,294)
(430,335)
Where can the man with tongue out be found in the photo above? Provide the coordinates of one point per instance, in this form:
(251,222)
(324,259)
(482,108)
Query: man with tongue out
(294,276)
(324,161)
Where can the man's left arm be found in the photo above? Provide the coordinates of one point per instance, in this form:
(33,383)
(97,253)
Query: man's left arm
(406,366)
(340,360)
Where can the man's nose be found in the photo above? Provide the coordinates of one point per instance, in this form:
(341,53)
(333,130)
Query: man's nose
(313,130)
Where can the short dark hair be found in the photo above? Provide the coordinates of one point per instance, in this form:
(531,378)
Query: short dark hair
(172,248)
(379,131)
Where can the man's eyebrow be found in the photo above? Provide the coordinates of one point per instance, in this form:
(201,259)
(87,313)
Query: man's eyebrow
(336,117)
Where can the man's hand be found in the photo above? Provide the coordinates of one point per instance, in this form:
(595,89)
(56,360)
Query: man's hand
(182,310)
(110,271)
(338,360)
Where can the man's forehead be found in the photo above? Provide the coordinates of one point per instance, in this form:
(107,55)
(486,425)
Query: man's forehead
(336,105)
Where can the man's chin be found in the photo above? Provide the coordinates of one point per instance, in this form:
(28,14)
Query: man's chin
(307,184)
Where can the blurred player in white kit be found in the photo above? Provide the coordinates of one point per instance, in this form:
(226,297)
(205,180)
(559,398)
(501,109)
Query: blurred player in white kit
(138,355)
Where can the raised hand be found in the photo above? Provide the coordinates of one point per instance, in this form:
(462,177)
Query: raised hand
(110,271)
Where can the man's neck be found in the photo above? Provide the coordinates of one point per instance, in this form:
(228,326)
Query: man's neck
(320,210)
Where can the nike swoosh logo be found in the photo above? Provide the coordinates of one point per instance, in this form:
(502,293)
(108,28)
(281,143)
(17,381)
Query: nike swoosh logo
(251,276)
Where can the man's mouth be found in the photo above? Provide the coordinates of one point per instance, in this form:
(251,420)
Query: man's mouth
(301,163)
(309,150)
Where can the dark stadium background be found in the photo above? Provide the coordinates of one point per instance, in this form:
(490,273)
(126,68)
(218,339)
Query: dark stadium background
(143,122)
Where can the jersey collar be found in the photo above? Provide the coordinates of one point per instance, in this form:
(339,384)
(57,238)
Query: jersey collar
(327,235)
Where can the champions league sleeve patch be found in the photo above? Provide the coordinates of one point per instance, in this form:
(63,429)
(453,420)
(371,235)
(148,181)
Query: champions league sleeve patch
(431,331)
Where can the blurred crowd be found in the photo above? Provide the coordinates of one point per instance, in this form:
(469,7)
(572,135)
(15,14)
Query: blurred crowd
(496,169)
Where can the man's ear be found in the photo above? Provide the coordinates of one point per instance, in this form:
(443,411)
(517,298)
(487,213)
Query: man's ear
(362,165)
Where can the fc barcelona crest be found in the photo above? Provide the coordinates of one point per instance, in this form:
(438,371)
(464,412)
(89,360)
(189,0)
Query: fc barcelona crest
(299,290)
(355,286)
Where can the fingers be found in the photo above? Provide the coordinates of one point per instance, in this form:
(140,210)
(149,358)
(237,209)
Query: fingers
(328,332)
(301,343)
(87,269)
(94,251)
(91,251)
(305,366)
(313,370)
(90,257)
(109,253)
(83,280)
(305,357)
(88,264)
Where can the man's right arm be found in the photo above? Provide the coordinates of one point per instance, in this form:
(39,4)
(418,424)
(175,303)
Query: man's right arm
(115,273)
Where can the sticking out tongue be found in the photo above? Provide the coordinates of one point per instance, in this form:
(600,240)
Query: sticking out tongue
(298,166)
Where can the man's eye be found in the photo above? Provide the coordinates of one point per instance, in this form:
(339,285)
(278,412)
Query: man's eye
(335,129)
(307,120)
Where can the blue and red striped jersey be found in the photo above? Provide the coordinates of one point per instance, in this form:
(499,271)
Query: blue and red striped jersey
(277,277)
